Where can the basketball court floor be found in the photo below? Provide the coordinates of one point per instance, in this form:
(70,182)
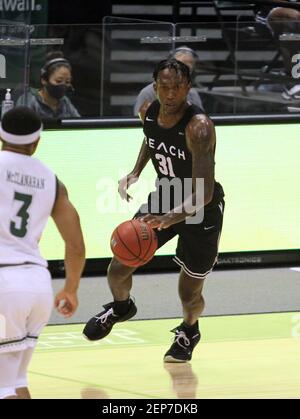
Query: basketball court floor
(239,356)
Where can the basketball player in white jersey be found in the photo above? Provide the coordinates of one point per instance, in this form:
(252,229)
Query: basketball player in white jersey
(30,193)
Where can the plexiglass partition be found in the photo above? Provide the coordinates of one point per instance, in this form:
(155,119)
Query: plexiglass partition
(130,54)
(14,51)
(215,70)
(242,68)
(268,64)
(110,63)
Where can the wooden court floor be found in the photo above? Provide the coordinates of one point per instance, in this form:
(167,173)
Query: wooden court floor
(248,356)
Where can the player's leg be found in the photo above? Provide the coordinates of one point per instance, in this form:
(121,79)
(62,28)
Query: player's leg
(122,308)
(15,308)
(23,393)
(41,308)
(13,379)
(119,276)
(36,321)
(22,389)
(9,367)
(26,301)
(187,334)
(196,253)
(119,279)
(190,293)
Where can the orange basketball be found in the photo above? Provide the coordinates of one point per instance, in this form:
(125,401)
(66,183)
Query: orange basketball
(133,243)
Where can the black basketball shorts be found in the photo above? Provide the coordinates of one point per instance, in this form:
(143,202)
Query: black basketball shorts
(197,245)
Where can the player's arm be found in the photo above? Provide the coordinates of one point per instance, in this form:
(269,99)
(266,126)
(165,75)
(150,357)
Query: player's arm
(141,162)
(67,222)
(201,139)
(144,154)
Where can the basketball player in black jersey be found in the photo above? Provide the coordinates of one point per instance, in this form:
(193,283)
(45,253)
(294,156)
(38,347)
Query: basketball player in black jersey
(180,140)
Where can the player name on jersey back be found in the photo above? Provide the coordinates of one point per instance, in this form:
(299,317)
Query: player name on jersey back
(28,192)
(23,179)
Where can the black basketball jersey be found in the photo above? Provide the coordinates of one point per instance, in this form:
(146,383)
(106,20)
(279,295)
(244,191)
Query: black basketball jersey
(169,153)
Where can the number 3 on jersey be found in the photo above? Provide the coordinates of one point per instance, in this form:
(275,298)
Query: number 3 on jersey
(165,165)
(21,231)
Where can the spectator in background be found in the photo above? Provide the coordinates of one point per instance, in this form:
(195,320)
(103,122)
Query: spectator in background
(284,20)
(188,57)
(50,101)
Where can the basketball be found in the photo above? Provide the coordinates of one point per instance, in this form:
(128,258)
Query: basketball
(133,243)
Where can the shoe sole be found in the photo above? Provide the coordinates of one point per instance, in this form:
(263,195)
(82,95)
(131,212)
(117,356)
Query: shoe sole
(86,338)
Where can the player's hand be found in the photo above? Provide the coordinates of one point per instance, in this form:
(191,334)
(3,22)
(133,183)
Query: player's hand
(66,303)
(158,221)
(124,184)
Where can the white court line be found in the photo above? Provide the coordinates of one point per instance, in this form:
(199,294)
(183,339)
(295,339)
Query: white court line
(62,340)
(295,269)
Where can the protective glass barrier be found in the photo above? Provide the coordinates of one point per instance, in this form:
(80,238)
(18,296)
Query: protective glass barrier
(13,63)
(107,67)
(130,54)
(268,67)
(240,67)
(245,67)
(214,74)
(68,55)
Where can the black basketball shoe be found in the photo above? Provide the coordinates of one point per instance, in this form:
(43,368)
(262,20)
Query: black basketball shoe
(183,345)
(100,325)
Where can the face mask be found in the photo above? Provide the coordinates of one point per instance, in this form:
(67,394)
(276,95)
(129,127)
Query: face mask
(70,91)
(56,90)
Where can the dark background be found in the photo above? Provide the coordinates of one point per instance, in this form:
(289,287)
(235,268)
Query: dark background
(78,11)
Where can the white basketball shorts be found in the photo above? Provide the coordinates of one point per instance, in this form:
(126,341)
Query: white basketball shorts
(26,300)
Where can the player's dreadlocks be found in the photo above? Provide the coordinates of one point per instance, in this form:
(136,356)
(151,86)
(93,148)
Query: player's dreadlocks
(172,64)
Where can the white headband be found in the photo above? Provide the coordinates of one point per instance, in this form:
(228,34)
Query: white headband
(20,139)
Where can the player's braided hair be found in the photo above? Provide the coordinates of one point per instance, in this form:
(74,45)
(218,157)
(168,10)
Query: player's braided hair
(172,64)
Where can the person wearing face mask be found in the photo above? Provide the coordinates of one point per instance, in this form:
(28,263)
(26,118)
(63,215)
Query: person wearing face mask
(51,100)
(147,95)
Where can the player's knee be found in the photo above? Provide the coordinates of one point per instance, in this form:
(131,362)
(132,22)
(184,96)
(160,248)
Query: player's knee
(117,271)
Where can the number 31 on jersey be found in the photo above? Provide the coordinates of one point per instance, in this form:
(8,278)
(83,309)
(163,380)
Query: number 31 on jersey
(165,165)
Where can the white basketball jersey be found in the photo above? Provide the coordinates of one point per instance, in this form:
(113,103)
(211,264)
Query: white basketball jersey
(27,196)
